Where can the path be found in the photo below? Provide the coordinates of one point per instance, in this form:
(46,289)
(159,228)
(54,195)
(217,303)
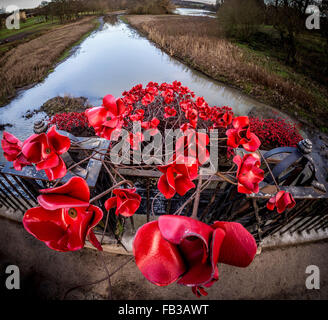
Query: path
(275,274)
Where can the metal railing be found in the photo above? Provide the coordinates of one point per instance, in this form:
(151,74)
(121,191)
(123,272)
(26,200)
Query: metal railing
(295,170)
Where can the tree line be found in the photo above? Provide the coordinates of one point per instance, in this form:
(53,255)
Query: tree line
(241,19)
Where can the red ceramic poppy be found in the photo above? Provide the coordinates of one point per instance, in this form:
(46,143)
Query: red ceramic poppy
(151,126)
(169,112)
(147,99)
(126,201)
(185,105)
(193,144)
(168,95)
(138,115)
(45,149)
(107,118)
(65,217)
(135,140)
(152,89)
(241,135)
(12,151)
(281,200)
(205,112)
(177,248)
(249,174)
(192,116)
(200,102)
(177,177)
(223,120)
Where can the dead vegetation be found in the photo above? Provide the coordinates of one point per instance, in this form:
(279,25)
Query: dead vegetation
(30,62)
(199,43)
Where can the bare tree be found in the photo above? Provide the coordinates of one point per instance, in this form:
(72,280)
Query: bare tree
(288,18)
(240,18)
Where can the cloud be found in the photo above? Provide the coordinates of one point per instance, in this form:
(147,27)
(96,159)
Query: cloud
(22,4)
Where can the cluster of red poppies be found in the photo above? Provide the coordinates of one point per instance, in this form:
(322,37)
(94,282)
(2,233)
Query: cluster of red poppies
(43,150)
(275,133)
(174,248)
(70,120)
(65,217)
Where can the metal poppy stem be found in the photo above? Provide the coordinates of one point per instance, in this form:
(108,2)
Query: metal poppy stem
(110,189)
(266,163)
(97,281)
(219,174)
(72,167)
(197,198)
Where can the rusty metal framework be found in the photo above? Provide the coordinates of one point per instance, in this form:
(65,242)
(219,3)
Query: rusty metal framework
(296,170)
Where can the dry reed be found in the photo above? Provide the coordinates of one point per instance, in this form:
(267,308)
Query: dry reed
(198,42)
(30,62)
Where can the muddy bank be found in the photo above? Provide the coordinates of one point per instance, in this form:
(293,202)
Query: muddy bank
(65,104)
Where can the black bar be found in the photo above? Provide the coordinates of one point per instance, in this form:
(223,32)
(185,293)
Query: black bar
(21,184)
(17,191)
(11,194)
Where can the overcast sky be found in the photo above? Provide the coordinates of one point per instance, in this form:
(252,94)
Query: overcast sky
(23,4)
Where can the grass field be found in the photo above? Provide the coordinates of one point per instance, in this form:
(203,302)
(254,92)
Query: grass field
(31,61)
(30,25)
(259,72)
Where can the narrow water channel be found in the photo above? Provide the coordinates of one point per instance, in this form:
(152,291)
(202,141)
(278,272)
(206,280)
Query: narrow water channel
(113,59)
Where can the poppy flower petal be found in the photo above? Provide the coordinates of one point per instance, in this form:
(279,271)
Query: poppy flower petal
(271,203)
(158,260)
(240,122)
(97,216)
(128,207)
(183,185)
(164,187)
(32,150)
(217,240)
(120,106)
(233,139)
(94,241)
(41,223)
(56,172)
(253,144)
(238,247)
(96,116)
(59,142)
(76,187)
(57,201)
(176,228)
(111,203)
(109,102)
(10,138)
(284,200)
(51,162)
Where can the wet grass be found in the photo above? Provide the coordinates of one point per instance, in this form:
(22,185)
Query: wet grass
(198,42)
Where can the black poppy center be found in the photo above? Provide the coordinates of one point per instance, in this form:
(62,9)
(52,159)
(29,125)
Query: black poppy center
(72,213)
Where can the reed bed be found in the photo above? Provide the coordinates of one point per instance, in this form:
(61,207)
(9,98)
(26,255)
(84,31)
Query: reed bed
(198,41)
(30,62)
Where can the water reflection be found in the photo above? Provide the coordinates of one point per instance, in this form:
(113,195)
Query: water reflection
(111,19)
(195,12)
(111,60)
